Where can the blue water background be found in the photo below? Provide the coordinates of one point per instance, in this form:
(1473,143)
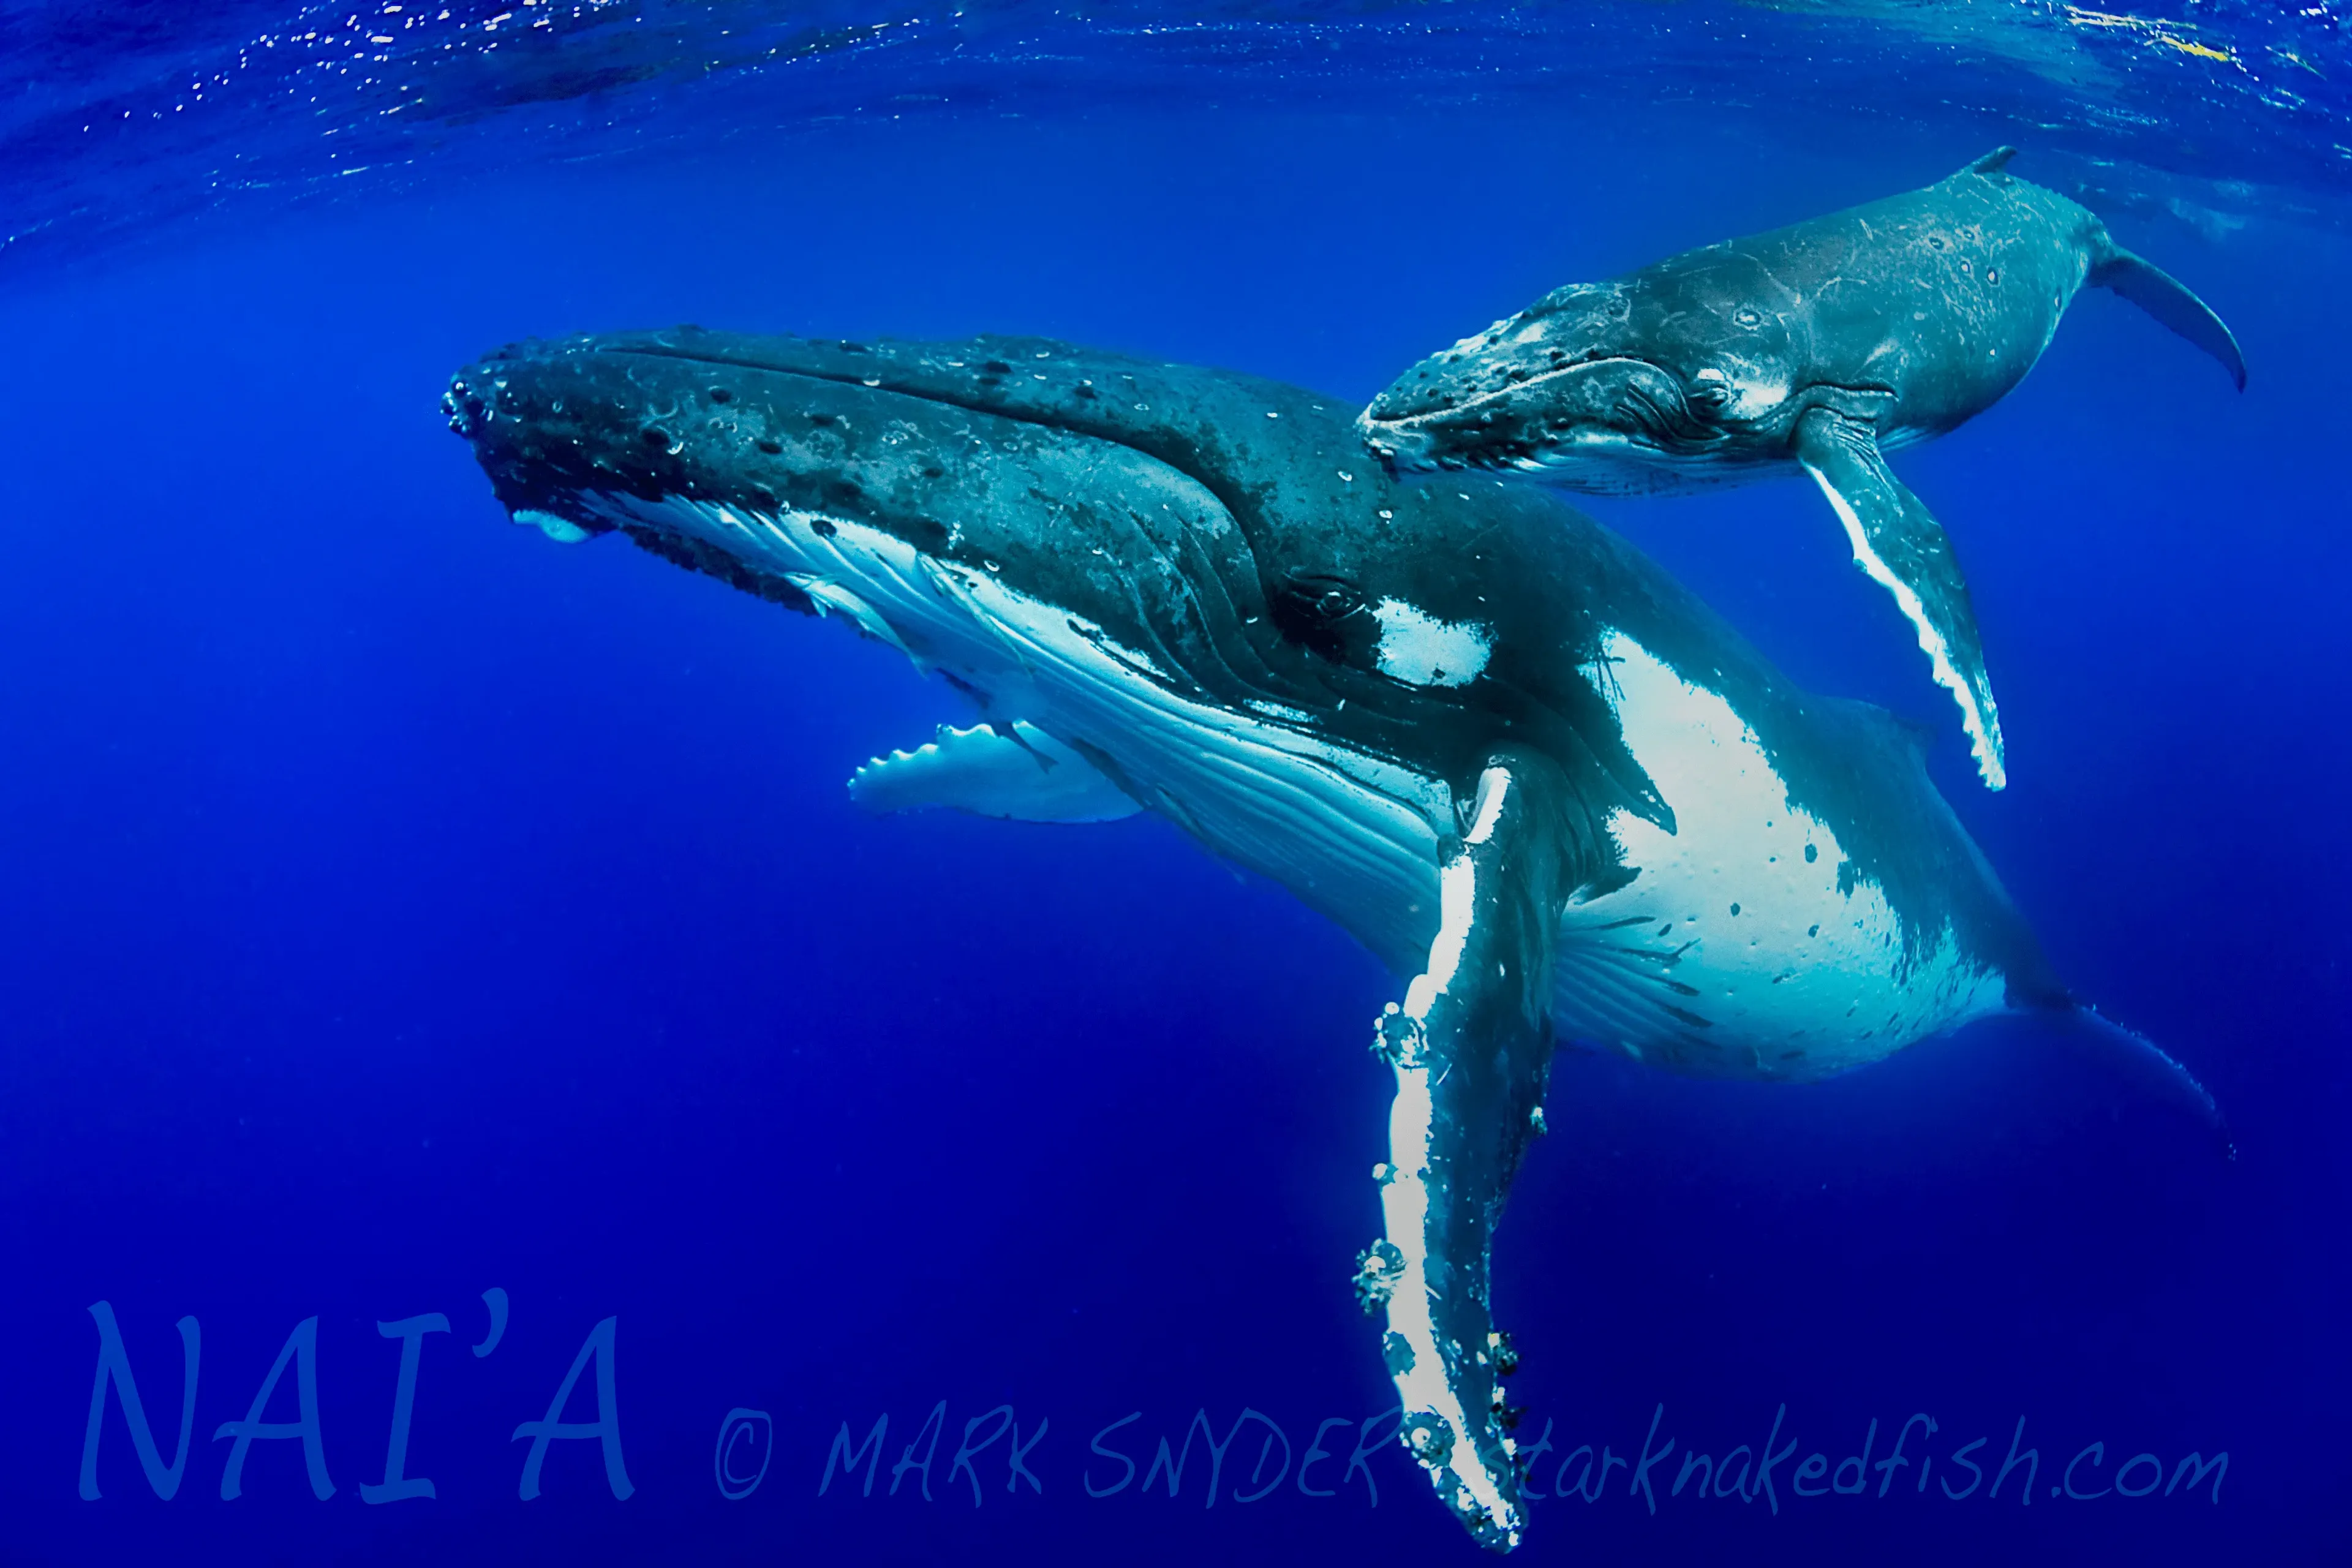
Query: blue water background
(401,906)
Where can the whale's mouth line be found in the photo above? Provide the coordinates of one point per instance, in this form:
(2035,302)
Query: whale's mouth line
(1668,429)
(1644,428)
(1415,422)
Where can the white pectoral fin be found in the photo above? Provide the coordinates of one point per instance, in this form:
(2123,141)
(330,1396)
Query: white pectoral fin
(1899,543)
(1015,770)
(1471,1047)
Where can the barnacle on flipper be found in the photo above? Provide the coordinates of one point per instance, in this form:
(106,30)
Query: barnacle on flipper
(1377,1268)
(1428,1439)
(1505,1357)
(1399,1038)
(1432,1442)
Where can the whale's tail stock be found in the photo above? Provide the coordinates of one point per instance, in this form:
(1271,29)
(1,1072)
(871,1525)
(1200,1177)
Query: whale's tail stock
(2142,283)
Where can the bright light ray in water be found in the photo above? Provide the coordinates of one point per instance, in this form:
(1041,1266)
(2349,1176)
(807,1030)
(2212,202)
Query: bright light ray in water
(110,129)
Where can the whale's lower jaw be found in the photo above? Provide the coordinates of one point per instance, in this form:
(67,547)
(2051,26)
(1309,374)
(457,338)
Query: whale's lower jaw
(1636,470)
(1629,470)
(1264,787)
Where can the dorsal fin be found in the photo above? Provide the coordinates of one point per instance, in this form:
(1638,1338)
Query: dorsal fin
(1992,163)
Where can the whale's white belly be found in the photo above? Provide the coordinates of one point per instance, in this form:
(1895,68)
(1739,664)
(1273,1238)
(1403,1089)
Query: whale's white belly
(1746,945)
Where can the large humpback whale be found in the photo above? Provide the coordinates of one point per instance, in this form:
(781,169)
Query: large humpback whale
(1818,346)
(1537,779)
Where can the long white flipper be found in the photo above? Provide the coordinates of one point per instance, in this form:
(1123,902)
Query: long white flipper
(1899,543)
(1471,1049)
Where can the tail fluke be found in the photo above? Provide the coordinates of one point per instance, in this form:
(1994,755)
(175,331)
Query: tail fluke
(2162,296)
(2139,1061)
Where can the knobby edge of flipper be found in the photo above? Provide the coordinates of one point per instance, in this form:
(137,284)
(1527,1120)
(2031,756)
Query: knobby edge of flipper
(1902,547)
(2171,301)
(1471,1047)
(1012,771)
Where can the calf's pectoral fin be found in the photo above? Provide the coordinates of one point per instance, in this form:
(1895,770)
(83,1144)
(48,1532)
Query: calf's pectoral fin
(2161,295)
(1013,770)
(1471,1049)
(1899,543)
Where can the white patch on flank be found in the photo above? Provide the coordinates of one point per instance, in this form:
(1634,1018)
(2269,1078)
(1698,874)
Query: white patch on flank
(1419,650)
(1752,397)
(554,526)
(1404,1197)
(1805,979)
(1983,725)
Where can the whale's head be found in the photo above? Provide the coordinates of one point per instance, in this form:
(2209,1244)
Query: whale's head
(869,484)
(1595,387)
(1126,549)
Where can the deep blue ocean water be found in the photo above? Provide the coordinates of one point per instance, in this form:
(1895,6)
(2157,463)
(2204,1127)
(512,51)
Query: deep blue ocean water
(401,908)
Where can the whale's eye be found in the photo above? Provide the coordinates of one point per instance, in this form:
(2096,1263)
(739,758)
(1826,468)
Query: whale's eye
(1710,388)
(1324,613)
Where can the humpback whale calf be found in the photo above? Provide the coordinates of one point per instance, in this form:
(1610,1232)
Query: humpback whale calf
(1540,781)
(1819,346)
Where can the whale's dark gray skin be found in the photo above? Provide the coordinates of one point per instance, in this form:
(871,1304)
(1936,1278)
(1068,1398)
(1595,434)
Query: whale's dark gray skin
(1818,346)
(1538,780)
